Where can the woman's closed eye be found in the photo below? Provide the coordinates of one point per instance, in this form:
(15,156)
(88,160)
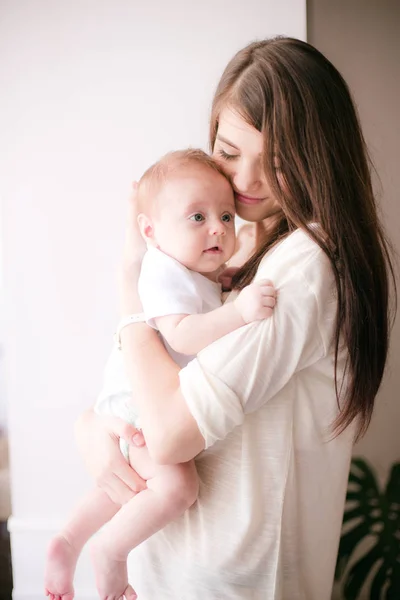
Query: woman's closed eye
(225,155)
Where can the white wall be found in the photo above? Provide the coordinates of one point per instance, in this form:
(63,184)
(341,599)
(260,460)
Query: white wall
(92,92)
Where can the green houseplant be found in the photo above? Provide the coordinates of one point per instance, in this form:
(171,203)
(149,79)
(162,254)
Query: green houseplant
(371,515)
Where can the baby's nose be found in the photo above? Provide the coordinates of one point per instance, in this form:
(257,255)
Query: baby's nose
(217,228)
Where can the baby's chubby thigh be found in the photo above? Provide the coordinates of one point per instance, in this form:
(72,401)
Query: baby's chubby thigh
(178,484)
(141,462)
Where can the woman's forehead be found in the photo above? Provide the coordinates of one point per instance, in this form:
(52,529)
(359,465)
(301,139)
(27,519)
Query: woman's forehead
(238,133)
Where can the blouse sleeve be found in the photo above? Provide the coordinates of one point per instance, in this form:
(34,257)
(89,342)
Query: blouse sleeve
(245,369)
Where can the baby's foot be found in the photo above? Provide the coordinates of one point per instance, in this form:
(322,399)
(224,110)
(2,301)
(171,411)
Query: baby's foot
(111,574)
(60,569)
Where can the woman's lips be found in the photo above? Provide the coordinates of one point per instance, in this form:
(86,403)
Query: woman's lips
(247,199)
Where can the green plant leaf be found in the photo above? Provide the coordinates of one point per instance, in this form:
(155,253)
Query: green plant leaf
(350,540)
(356,576)
(378,582)
(375,514)
(393,590)
(352,514)
(367,477)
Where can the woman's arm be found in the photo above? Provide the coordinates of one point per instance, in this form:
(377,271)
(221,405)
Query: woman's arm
(189,334)
(171,433)
(165,418)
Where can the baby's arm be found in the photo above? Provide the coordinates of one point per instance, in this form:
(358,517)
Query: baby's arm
(188,334)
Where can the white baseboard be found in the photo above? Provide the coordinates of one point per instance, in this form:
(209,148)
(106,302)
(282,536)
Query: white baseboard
(29,540)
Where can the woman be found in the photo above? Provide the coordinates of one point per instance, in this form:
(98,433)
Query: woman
(277,404)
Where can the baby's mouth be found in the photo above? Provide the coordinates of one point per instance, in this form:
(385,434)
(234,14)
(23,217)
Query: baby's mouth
(214,250)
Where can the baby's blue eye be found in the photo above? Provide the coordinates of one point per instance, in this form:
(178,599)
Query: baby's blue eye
(198,217)
(227,218)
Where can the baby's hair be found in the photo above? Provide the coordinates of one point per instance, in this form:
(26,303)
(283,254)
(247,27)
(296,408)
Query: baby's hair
(169,166)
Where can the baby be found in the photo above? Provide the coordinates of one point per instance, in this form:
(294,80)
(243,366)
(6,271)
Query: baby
(187,220)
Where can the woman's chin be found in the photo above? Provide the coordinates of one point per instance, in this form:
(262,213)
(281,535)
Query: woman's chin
(253,214)
(258,212)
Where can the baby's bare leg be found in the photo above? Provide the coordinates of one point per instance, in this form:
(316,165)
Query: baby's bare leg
(171,489)
(95,509)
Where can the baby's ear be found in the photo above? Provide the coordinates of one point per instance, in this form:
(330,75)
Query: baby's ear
(146,228)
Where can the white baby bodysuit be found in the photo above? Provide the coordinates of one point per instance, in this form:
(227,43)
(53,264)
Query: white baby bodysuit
(165,287)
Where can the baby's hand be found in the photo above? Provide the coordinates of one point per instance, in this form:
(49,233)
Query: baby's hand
(256,301)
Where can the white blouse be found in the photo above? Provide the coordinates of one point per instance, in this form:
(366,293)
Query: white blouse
(267,522)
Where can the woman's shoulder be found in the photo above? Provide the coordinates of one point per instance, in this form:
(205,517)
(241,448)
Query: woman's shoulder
(297,248)
(298,258)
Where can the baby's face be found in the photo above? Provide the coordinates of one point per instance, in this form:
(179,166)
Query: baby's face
(195,219)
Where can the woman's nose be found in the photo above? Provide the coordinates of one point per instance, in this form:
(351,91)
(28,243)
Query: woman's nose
(247,177)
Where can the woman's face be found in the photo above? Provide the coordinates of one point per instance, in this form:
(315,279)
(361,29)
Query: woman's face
(238,149)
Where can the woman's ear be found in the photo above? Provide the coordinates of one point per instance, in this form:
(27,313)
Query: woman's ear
(146,228)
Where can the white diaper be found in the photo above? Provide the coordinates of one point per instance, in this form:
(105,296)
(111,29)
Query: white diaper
(115,399)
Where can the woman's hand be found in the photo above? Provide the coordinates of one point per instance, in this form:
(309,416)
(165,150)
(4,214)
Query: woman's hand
(135,246)
(98,443)
(134,250)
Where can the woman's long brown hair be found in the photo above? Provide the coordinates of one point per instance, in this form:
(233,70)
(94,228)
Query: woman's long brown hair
(290,92)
